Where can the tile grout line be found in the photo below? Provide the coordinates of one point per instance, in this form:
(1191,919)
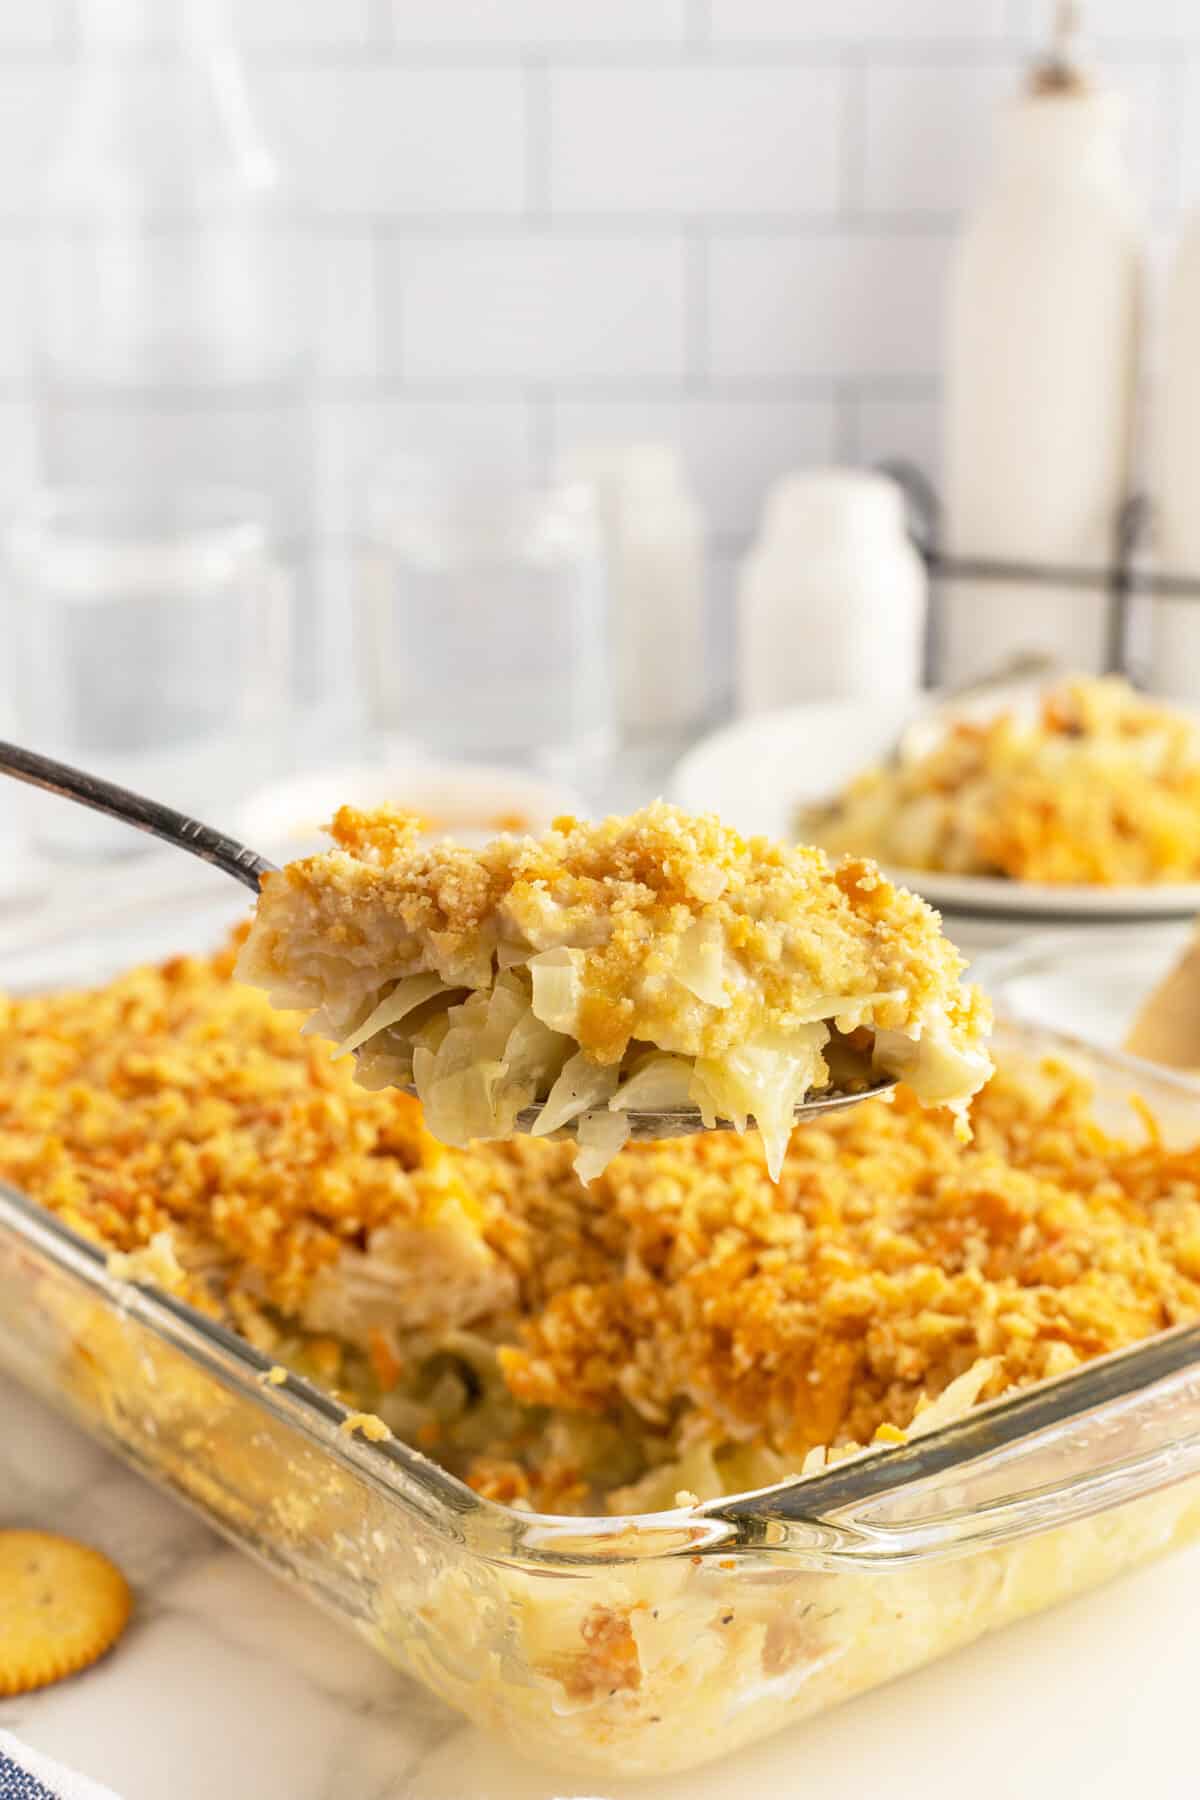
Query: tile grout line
(846,432)
(652,57)
(630,226)
(68,29)
(543,438)
(697,27)
(696,307)
(535,83)
(782,388)
(852,139)
(1018,21)
(388,350)
(380,35)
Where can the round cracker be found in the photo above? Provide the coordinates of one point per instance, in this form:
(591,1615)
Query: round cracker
(62,1605)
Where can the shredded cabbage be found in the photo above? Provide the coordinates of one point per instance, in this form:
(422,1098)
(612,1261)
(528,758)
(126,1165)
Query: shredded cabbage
(767,1077)
(600,1136)
(535,1055)
(509,956)
(423,1060)
(700,967)
(656,1081)
(462,1106)
(582,1086)
(847,1010)
(934,1069)
(556,989)
(380,1069)
(429,1036)
(412,992)
(479,1058)
(461,1048)
(958,1397)
(507,1005)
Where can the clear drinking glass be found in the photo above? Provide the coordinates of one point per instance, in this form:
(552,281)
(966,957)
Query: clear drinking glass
(172,337)
(484,627)
(148,637)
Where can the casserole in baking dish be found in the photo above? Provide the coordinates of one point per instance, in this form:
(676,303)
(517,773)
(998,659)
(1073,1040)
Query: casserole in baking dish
(637,1641)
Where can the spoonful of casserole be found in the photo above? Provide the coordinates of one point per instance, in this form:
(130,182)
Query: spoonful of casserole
(644,976)
(639,977)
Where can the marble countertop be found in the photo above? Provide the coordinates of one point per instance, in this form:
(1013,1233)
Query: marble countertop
(229,1684)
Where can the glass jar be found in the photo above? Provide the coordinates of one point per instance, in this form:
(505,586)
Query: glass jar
(484,624)
(148,644)
(172,346)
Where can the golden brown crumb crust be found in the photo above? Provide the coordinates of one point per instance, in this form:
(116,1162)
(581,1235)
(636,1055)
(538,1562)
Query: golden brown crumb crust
(175,1100)
(890,1259)
(1104,791)
(625,891)
(682,1288)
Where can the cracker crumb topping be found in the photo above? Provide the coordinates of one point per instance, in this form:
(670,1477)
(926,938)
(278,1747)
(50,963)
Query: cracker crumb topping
(1102,788)
(628,966)
(624,892)
(680,1306)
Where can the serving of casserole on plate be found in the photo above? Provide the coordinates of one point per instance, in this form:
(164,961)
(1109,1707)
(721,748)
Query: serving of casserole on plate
(1077,801)
(632,1471)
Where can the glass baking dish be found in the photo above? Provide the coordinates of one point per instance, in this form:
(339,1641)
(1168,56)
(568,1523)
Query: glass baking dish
(1092,982)
(633,1645)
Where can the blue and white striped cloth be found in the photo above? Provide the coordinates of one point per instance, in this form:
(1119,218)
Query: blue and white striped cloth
(28,1775)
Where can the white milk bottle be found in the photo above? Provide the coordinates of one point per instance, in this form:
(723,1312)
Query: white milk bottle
(1041,363)
(1174,648)
(831,599)
(654,538)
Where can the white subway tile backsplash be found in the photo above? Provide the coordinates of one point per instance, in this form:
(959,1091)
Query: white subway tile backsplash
(393,140)
(532,307)
(695,140)
(32,99)
(357,440)
(346,319)
(924,150)
(17,460)
(724,223)
(929,132)
(824,306)
(732,448)
(16,302)
(305,23)
(32,24)
(854,21)
(537,23)
(1140,20)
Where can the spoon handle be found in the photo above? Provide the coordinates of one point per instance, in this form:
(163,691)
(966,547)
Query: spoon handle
(225,853)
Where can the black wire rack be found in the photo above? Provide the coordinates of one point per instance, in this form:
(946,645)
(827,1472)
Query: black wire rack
(1125,576)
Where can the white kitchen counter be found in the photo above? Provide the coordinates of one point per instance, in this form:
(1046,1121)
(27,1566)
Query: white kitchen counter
(228,1685)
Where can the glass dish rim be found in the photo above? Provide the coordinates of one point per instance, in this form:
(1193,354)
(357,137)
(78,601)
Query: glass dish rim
(797,1516)
(991,968)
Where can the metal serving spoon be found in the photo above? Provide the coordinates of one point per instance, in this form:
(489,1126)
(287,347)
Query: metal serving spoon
(248,867)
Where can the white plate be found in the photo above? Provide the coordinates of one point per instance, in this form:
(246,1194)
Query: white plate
(757,772)
(465,800)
